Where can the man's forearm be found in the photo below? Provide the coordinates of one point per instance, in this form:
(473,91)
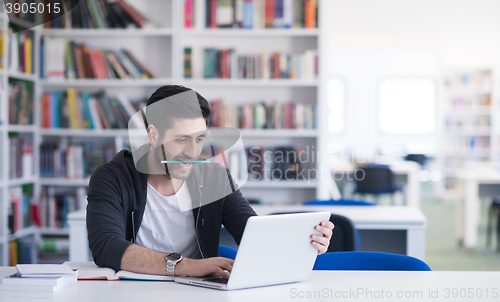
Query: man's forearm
(139,259)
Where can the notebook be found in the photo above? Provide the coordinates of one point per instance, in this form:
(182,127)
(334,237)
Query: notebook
(90,271)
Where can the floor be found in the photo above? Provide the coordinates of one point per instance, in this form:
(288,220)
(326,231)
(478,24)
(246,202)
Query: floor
(443,252)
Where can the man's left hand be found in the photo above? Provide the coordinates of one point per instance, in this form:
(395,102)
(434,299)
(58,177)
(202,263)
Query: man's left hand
(322,242)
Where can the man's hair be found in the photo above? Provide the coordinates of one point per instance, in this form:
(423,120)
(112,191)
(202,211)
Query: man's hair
(170,110)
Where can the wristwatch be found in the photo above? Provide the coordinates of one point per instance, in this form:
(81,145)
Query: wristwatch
(172,259)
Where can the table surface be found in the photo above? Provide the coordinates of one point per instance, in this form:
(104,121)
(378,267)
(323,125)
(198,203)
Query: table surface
(360,215)
(326,285)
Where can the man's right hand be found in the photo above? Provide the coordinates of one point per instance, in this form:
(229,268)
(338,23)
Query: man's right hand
(202,267)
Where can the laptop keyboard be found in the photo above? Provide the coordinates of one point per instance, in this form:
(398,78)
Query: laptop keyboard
(216,280)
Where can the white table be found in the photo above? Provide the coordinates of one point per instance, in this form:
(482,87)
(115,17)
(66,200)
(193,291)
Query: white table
(467,210)
(408,219)
(410,169)
(326,285)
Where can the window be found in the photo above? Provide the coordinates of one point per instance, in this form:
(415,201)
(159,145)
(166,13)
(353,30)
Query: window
(336,105)
(407,105)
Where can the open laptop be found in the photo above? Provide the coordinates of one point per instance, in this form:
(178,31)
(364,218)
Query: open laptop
(274,249)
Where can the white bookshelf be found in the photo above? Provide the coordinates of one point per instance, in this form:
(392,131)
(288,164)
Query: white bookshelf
(161,49)
(470,109)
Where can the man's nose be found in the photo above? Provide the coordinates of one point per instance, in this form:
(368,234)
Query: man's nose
(190,150)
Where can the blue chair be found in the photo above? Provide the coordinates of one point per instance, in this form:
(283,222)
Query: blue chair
(375,179)
(339,202)
(368,261)
(227,252)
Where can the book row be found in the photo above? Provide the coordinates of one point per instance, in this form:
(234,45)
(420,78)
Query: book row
(98,14)
(84,110)
(22,251)
(287,115)
(470,102)
(477,80)
(468,146)
(21,50)
(227,63)
(22,211)
(471,123)
(20,102)
(54,207)
(254,13)
(76,161)
(63,59)
(269,163)
(20,156)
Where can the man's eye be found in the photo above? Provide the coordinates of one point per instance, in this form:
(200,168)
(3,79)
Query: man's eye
(200,139)
(181,140)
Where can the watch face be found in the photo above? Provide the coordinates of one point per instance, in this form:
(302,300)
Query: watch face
(173,256)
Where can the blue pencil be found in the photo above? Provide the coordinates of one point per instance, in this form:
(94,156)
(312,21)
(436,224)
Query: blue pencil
(185,162)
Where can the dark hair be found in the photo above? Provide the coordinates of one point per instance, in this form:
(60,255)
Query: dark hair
(175,109)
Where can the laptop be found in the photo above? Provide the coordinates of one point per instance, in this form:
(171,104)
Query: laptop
(274,249)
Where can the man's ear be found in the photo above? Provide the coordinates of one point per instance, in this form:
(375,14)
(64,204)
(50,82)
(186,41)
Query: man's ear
(152,135)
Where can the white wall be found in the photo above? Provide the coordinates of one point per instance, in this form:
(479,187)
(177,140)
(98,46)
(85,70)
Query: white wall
(365,40)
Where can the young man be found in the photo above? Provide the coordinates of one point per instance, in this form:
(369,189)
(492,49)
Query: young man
(142,214)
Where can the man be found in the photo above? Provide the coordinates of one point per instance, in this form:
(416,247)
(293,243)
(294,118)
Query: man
(136,213)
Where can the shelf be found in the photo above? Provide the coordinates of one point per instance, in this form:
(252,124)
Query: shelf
(89,83)
(241,32)
(280,184)
(96,33)
(21,181)
(84,132)
(251,82)
(22,23)
(23,76)
(53,232)
(470,112)
(214,131)
(483,132)
(22,233)
(272,132)
(21,128)
(468,91)
(469,154)
(64,182)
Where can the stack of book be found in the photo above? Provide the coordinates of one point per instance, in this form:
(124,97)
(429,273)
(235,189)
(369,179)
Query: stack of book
(21,50)
(228,64)
(84,110)
(99,14)
(287,115)
(75,161)
(20,102)
(63,59)
(255,13)
(39,278)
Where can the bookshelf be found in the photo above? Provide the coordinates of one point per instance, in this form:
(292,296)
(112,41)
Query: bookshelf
(160,48)
(469,135)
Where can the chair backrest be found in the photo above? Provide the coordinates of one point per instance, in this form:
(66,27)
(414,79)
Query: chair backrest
(419,158)
(345,236)
(338,202)
(375,179)
(227,252)
(369,261)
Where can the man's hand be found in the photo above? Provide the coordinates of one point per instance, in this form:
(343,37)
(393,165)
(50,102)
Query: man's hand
(203,267)
(322,242)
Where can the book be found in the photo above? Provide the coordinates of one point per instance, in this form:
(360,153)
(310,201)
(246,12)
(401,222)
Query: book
(90,271)
(17,279)
(44,270)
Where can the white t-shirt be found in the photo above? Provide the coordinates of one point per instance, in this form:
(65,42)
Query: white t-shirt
(168,224)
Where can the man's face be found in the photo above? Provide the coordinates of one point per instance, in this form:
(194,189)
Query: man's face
(183,142)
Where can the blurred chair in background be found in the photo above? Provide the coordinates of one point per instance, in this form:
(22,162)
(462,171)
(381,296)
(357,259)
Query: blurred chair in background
(227,252)
(419,158)
(494,210)
(375,180)
(369,261)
